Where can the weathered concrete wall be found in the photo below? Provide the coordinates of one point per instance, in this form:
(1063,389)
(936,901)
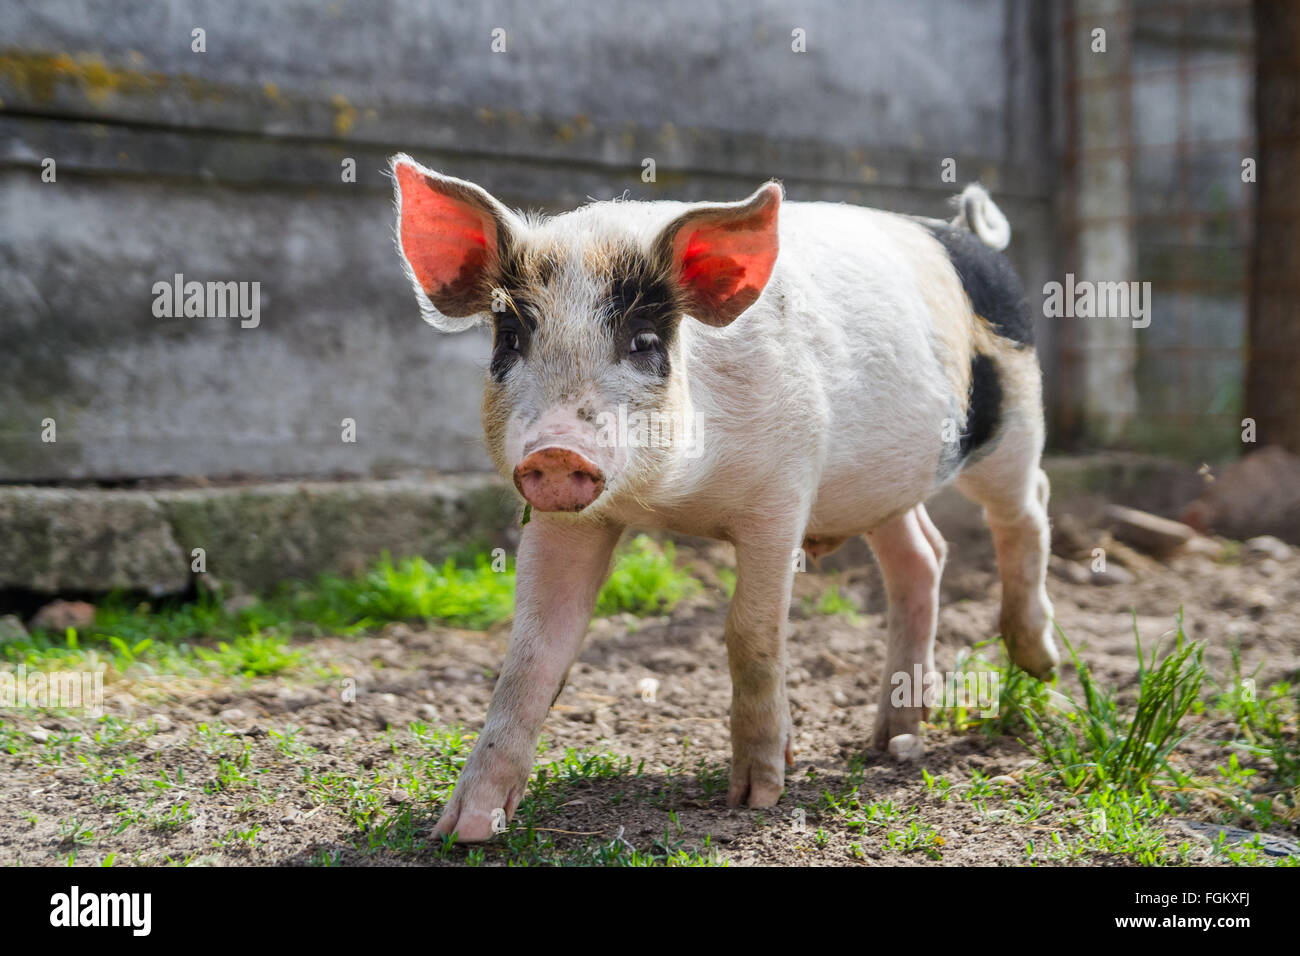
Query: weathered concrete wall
(225,165)
(252,537)
(92,540)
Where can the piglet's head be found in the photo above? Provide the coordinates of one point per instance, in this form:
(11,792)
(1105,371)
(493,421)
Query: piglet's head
(585,395)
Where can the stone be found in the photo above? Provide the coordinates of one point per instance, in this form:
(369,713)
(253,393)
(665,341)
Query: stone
(58,616)
(1114,574)
(1267,546)
(87,540)
(238,603)
(1204,546)
(11,628)
(1069,570)
(1258,600)
(1147,532)
(1269,843)
(95,541)
(1269,568)
(257,535)
(1258,495)
(906,748)
(1070,538)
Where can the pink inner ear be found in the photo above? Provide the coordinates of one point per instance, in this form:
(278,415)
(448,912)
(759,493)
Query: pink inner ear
(447,240)
(725,265)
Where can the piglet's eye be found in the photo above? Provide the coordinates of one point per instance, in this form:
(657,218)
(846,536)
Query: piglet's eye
(644,342)
(508,340)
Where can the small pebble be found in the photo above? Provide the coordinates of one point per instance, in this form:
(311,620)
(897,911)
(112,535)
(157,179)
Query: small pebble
(1265,545)
(906,747)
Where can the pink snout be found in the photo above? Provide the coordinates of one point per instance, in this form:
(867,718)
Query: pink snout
(558,479)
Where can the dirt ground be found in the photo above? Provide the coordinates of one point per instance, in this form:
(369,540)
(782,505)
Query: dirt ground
(679,738)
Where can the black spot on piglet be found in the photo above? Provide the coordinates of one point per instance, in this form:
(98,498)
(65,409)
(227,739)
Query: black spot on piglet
(985,408)
(990,282)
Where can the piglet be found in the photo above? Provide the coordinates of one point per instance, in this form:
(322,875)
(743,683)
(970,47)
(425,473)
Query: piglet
(779,375)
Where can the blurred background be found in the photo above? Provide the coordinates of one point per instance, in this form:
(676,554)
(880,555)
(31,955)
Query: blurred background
(1123,138)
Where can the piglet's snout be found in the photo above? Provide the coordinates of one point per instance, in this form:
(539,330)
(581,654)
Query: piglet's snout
(558,479)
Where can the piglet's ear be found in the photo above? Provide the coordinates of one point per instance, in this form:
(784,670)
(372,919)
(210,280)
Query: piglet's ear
(722,254)
(451,235)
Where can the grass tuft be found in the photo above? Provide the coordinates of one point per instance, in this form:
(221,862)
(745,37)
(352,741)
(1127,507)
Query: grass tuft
(1097,742)
(645,580)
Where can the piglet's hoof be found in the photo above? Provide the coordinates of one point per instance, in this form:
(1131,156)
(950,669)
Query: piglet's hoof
(906,748)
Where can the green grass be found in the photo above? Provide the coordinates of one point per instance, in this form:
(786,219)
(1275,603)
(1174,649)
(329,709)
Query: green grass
(1097,742)
(413,589)
(1105,784)
(252,655)
(1267,725)
(893,828)
(204,636)
(727,577)
(1265,789)
(1019,694)
(832,602)
(645,580)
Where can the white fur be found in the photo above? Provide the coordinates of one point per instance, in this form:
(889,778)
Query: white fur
(826,395)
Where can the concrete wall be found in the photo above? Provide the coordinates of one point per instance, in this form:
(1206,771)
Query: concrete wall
(225,165)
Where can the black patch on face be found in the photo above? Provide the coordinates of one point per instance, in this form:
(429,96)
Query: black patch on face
(643,310)
(985,408)
(990,282)
(514,318)
(510,338)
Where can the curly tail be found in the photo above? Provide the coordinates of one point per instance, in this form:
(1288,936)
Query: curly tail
(977,212)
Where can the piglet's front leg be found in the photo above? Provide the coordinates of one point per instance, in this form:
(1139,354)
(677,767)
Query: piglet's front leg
(562,565)
(761,742)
